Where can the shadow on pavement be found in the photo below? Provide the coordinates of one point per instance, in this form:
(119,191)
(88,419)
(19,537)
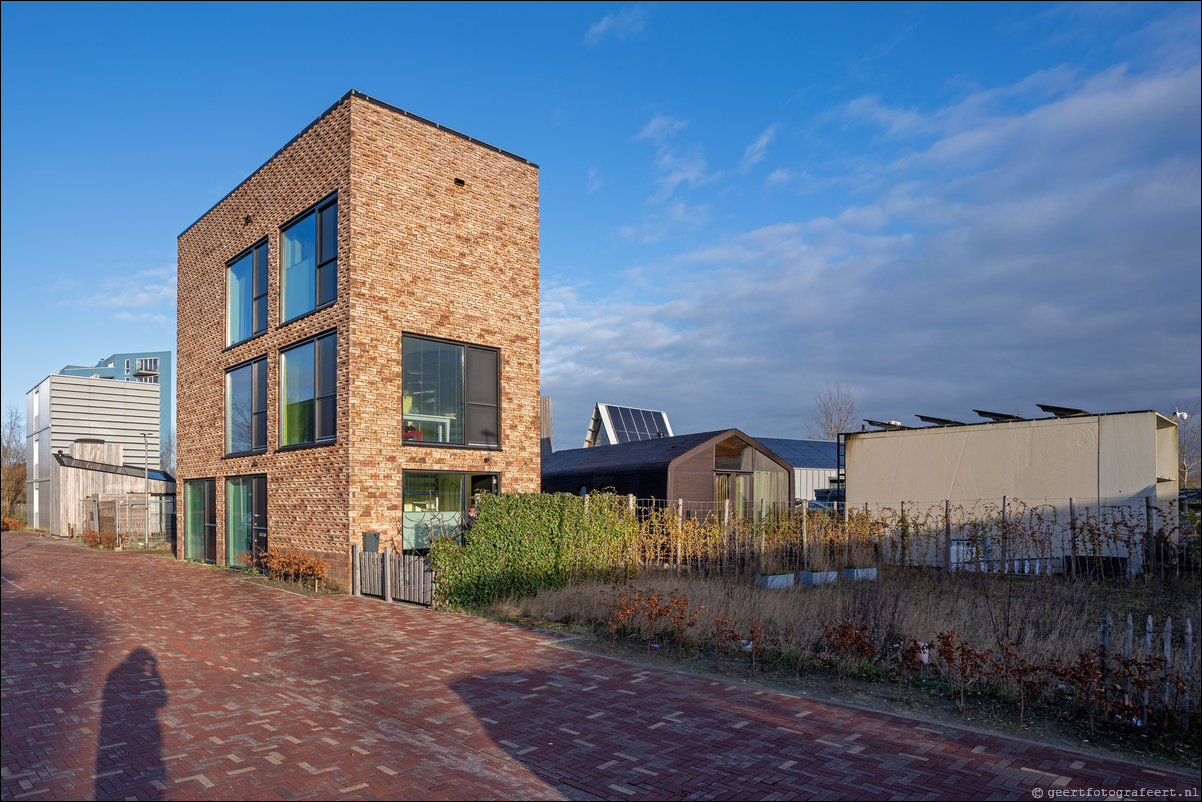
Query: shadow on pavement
(45,664)
(129,754)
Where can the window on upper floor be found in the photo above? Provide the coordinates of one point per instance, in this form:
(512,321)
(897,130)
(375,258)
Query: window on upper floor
(308,384)
(245,297)
(449,393)
(147,364)
(246,408)
(309,273)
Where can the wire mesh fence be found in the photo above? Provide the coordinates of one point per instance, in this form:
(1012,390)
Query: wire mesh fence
(1031,537)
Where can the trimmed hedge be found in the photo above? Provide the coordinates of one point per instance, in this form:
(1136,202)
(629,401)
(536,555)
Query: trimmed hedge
(523,542)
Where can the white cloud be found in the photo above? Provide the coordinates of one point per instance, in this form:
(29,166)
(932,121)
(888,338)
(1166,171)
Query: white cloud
(660,127)
(594,181)
(1010,254)
(757,151)
(625,24)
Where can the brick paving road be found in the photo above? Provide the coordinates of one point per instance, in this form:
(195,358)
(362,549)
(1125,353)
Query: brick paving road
(129,676)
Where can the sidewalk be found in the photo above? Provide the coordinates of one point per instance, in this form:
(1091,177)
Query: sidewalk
(127,675)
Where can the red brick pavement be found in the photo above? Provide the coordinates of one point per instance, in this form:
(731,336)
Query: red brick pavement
(130,676)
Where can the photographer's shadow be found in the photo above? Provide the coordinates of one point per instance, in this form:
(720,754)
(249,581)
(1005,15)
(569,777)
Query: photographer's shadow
(129,755)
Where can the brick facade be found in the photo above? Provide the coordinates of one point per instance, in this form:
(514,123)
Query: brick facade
(418,253)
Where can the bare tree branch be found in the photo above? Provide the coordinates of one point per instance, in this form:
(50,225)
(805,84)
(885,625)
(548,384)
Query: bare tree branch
(835,411)
(12,460)
(1188,457)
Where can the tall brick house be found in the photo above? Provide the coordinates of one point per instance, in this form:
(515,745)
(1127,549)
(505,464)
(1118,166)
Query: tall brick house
(358,341)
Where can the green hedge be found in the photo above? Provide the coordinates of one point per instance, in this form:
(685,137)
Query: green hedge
(523,542)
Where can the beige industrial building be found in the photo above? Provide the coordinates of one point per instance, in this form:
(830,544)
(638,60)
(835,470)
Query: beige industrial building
(62,409)
(1072,467)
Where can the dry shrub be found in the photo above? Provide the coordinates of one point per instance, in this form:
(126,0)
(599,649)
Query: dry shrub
(98,540)
(11,524)
(294,566)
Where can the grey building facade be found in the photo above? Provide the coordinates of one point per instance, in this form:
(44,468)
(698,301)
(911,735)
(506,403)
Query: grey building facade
(62,409)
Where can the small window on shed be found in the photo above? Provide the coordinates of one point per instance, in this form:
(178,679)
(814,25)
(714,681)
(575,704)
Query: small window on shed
(732,454)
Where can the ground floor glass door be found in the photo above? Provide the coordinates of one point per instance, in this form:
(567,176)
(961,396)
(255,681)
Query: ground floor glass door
(200,520)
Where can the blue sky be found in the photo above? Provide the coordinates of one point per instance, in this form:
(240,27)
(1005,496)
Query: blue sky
(941,207)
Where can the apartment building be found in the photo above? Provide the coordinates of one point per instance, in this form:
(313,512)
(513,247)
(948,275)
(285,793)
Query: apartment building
(145,367)
(358,340)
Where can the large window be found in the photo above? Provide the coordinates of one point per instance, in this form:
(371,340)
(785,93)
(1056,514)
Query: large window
(245,520)
(245,297)
(308,379)
(246,408)
(309,276)
(449,393)
(434,504)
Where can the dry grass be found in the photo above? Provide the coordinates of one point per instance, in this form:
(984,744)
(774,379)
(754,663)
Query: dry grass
(1048,618)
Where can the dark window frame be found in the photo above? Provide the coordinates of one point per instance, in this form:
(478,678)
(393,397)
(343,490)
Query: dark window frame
(318,439)
(466,404)
(316,210)
(466,499)
(254,392)
(258,516)
(258,327)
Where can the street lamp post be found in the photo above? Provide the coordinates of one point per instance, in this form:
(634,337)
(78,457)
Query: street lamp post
(146,490)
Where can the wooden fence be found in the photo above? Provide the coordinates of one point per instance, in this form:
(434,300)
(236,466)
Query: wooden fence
(1163,679)
(395,577)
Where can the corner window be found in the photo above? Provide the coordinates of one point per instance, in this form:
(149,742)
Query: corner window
(309,259)
(245,297)
(449,393)
(308,379)
(246,408)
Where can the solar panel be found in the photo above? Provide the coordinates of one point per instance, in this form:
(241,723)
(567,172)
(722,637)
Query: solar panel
(631,424)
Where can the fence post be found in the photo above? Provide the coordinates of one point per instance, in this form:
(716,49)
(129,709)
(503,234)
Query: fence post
(1147,659)
(1104,643)
(1189,670)
(805,534)
(1072,528)
(1150,544)
(387,557)
(1005,536)
(947,531)
(1128,638)
(356,579)
(679,532)
(1168,662)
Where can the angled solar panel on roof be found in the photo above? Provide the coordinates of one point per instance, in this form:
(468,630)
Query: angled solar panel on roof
(613,424)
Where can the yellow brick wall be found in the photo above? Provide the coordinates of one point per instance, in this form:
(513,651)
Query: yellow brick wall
(417,254)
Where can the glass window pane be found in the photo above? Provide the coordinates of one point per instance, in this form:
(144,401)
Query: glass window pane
(732,454)
(260,430)
(482,426)
(194,521)
(261,270)
(327,279)
(239,523)
(325,418)
(297,274)
(481,376)
(260,367)
(260,314)
(432,508)
(239,409)
(329,232)
(328,365)
(239,295)
(296,396)
(432,391)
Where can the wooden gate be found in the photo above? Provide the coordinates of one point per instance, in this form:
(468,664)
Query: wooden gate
(406,577)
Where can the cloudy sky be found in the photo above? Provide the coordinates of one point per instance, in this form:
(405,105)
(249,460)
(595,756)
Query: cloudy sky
(939,207)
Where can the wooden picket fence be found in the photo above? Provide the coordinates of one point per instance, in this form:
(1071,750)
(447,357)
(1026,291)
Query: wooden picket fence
(399,577)
(1133,682)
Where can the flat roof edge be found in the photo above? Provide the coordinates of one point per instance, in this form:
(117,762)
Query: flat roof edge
(326,113)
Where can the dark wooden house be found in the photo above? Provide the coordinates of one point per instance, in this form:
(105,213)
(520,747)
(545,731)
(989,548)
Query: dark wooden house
(708,467)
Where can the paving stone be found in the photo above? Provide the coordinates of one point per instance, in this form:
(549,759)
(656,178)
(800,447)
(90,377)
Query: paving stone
(130,676)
